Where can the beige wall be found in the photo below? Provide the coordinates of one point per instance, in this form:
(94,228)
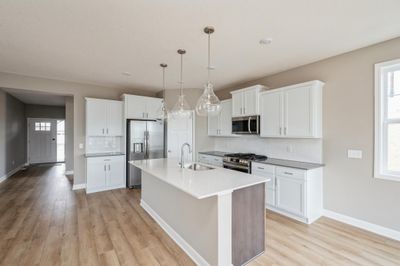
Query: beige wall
(349,186)
(78,92)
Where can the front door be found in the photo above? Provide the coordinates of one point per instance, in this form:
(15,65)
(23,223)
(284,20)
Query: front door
(42,137)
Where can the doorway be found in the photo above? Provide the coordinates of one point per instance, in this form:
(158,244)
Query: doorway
(46,140)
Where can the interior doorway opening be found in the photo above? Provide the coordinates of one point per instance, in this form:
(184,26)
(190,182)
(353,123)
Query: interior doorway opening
(60,140)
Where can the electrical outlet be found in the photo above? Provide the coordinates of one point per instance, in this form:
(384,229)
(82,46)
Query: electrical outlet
(354,154)
(81,146)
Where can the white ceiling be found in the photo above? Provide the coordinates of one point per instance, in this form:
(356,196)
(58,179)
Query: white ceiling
(31,97)
(94,41)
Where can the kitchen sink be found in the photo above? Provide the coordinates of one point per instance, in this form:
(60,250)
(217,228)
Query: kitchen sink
(198,167)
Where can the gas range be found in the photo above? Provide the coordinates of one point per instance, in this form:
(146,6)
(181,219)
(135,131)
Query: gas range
(241,161)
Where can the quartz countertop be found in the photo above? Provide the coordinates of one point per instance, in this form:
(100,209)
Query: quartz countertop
(290,163)
(103,154)
(199,184)
(214,153)
(274,161)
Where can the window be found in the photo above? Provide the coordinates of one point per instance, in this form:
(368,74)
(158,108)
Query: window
(387,120)
(42,126)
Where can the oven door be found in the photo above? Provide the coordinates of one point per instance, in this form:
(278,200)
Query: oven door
(246,125)
(236,167)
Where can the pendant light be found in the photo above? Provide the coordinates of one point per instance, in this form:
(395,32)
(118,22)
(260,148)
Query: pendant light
(162,112)
(208,103)
(181,108)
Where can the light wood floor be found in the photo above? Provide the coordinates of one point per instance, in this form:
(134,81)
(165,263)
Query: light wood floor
(43,222)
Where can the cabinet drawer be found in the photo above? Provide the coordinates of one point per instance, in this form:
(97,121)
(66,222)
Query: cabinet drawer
(263,168)
(291,172)
(203,158)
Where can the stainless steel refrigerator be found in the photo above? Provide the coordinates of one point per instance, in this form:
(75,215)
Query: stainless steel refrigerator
(145,140)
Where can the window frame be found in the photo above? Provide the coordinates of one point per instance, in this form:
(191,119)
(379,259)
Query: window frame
(382,122)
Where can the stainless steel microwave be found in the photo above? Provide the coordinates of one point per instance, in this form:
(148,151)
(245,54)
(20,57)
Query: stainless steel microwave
(246,125)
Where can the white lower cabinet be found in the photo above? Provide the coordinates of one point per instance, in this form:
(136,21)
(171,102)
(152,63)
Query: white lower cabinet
(295,193)
(211,160)
(104,173)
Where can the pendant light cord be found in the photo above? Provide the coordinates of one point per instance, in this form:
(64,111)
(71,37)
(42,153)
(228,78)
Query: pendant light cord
(209,57)
(181,82)
(163,78)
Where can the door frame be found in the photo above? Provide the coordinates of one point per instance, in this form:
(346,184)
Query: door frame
(28,121)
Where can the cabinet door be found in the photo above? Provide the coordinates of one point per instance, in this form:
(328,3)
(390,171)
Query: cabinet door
(114,118)
(152,107)
(290,195)
(237,104)
(250,102)
(95,174)
(136,107)
(115,172)
(270,197)
(96,116)
(213,125)
(271,114)
(225,118)
(298,112)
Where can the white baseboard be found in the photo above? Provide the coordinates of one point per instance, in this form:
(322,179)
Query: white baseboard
(10,173)
(78,186)
(70,172)
(374,228)
(191,252)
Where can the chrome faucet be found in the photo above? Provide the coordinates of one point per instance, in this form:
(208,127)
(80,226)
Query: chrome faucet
(182,163)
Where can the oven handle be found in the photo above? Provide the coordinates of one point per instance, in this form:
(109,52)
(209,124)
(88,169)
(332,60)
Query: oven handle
(234,166)
(248,125)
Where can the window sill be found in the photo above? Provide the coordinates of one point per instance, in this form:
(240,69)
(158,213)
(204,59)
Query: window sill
(387,177)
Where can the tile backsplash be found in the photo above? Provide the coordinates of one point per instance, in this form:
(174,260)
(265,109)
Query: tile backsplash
(103,144)
(307,150)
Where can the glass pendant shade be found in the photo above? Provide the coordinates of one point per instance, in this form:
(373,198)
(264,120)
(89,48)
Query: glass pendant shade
(208,103)
(181,108)
(162,111)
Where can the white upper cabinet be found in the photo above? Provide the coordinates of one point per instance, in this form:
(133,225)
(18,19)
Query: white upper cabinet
(221,125)
(114,118)
(245,102)
(293,111)
(103,117)
(271,114)
(141,107)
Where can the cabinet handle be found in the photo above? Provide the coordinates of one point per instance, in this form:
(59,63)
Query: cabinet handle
(105,168)
(262,168)
(288,173)
(109,167)
(280,130)
(244,110)
(103,131)
(107,131)
(285,130)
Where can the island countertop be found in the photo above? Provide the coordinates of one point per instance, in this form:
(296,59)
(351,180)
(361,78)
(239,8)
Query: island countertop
(199,184)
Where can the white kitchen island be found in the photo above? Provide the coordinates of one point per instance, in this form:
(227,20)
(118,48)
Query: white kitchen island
(216,216)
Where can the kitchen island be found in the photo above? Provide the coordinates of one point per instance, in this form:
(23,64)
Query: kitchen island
(216,216)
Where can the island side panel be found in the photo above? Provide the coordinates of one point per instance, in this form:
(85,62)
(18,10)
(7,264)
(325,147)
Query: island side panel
(196,221)
(248,223)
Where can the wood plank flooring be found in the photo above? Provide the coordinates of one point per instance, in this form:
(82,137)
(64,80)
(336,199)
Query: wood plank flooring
(44,222)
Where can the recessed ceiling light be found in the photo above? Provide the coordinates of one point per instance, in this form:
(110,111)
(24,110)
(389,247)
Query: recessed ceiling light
(126,74)
(265,41)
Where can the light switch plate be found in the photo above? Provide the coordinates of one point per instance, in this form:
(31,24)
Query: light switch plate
(354,154)
(80,145)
